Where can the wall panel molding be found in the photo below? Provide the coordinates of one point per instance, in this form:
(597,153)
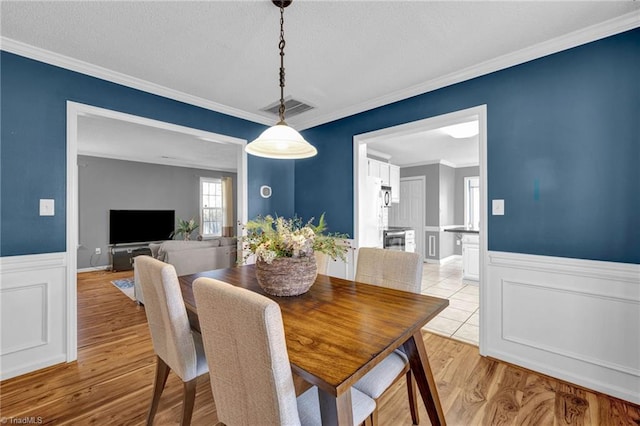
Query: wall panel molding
(33,292)
(35,331)
(615,305)
(625,272)
(577,320)
(9,264)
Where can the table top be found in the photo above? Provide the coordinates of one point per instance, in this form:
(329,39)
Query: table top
(339,329)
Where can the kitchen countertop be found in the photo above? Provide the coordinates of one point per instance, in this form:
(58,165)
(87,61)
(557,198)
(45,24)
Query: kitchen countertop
(463,230)
(398,228)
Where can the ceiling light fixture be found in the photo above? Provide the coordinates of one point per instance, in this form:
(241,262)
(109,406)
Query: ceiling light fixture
(281,141)
(462,130)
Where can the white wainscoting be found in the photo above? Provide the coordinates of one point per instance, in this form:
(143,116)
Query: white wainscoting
(344,268)
(32,302)
(577,320)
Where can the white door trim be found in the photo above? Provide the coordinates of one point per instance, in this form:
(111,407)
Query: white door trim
(75,109)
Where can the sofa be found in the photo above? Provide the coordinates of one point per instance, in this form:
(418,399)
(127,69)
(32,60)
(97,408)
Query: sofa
(189,257)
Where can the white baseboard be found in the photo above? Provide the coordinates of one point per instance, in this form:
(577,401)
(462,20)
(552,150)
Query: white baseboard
(574,319)
(95,268)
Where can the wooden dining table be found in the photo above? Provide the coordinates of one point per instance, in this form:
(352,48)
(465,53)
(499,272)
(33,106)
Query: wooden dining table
(339,330)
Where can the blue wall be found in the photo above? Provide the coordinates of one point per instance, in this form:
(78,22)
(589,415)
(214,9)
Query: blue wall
(563,148)
(33,147)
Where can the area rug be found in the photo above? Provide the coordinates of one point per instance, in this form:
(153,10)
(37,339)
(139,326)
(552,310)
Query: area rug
(125,285)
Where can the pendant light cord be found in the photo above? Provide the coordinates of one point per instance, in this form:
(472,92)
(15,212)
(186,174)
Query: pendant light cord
(281,46)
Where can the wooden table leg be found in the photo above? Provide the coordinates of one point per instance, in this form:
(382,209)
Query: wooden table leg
(415,350)
(335,410)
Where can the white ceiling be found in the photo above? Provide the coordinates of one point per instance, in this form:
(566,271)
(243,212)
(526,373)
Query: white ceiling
(124,140)
(342,57)
(427,147)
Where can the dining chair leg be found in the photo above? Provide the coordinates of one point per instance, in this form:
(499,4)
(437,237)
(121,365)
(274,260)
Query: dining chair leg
(412,391)
(373,418)
(188,400)
(162,372)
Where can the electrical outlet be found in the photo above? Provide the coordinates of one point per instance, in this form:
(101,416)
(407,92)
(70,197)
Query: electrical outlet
(457,242)
(98,250)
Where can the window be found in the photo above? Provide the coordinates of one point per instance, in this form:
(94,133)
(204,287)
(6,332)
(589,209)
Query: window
(211,207)
(472,202)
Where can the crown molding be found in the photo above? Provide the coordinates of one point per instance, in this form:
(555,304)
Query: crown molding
(378,154)
(442,162)
(66,62)
(583,36)
(595,32)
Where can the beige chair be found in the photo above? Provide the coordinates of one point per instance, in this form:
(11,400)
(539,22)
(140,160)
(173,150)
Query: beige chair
(177,347)
(250,375)
(401,271)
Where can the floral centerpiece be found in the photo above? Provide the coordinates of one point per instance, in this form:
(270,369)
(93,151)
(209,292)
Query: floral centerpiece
(285,252)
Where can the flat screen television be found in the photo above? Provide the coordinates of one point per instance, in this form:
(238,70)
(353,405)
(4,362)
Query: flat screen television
(138,226)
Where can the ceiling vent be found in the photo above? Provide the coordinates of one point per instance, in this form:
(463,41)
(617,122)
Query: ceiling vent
(292,107)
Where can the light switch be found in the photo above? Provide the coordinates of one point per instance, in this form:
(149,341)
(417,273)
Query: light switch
(497,207)
(47,207)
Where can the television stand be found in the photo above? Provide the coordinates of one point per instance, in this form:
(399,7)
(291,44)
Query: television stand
(122,256)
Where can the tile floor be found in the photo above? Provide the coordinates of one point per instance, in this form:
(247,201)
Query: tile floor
(460,319)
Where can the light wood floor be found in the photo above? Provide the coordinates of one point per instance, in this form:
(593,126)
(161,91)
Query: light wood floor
(111,382)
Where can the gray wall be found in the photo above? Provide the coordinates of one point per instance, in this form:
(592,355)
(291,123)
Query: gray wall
(444,203)
(447,209)
(106,184)
(447,195)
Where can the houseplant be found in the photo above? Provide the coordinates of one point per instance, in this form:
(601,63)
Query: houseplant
(185,228)
(285,250)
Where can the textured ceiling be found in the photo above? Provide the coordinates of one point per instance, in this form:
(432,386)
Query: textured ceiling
(341,57)
(426,147)
(123,140)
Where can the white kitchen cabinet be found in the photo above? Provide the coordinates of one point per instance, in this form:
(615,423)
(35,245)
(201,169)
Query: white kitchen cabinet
(373,168)
(410,240)
(389,173)
(471,257)
(394,183)
(384,173)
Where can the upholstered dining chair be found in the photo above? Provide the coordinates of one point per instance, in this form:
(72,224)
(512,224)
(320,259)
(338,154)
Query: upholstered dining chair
(399,270)
(251,377)
(177,347)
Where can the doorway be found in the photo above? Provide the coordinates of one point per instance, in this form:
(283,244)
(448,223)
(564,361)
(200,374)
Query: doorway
(74,112)
(397,134)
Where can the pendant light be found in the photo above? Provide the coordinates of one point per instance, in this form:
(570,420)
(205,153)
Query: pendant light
(281,141)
